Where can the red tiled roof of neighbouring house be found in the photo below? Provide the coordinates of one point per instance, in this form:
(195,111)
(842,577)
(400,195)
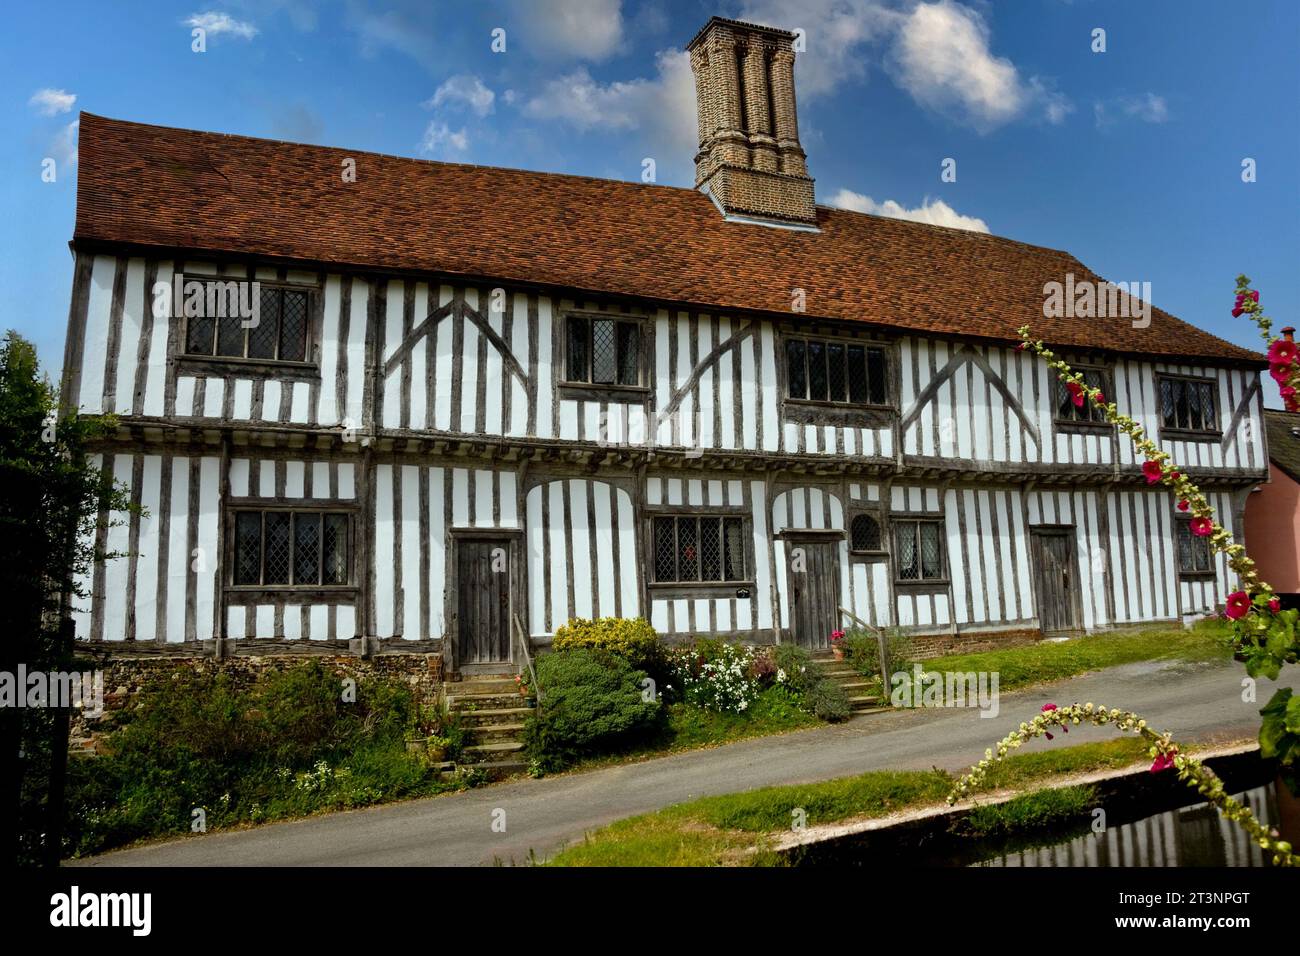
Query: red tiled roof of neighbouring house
(1284,440)
(154,186)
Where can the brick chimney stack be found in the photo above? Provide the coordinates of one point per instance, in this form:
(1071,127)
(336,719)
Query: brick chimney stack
(750,161)
(1289,333)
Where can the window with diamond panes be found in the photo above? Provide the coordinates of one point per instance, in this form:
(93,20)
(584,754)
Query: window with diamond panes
(864,533)
(918,550)
(698,549)
(834,371)
(280,334)
(601,351)
(290,548)
(1193,551)
(1067,411)
(1188,405)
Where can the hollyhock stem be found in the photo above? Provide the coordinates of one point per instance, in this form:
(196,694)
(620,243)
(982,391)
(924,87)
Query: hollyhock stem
(1159,468)
(1164,752)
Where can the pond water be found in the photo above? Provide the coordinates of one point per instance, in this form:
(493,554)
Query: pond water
(1193,836)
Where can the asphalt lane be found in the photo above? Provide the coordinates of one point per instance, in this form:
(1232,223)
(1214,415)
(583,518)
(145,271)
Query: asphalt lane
(1197,702)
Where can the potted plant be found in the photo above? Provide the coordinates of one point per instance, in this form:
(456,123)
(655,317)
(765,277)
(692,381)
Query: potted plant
(525,690)
(837,644)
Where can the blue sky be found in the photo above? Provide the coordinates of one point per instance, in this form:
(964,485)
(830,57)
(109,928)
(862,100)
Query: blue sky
(1129,158)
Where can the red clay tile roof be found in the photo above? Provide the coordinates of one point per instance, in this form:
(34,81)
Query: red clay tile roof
(1284,440)
(180,189)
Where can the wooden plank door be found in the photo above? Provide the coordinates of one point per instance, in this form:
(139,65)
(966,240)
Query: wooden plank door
(1057,579)
(814,591)
(483,600)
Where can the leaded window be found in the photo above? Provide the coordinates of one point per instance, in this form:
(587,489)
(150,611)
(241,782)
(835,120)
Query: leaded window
(282,548)
(223,330)
(1067,411)
(698,548)
(835,371)
(918,550)
(1194,555)
(602,351)
(1188,404)
(864,533)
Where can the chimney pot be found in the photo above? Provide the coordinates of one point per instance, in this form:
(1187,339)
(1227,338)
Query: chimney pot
(1289,333)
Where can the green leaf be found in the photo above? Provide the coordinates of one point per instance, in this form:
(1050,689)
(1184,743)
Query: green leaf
(1292,719)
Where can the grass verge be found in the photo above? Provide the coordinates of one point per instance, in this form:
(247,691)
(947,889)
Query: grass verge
(737,829)
(1054,660)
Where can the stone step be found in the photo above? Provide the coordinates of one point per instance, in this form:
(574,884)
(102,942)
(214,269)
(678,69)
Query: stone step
(860,711)
(495,733)
(483,685)
(864,701)
(500,769)
(481,752)
(468,703)
(473,719)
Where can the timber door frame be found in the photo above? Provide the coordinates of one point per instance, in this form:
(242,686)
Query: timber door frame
(513,539)
(1067,531)
(829,536)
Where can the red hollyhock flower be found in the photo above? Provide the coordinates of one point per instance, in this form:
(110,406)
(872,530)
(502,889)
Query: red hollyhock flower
(1254,294)
(1274,605)
(1099,398)
(1163,761)
(1202,526)
(1236,312)
(1153,471)
(1279,372)
(1076,393)
(1022,346)
(1046,709)
(1286,391)
(1282,352)
(1238,605)
(1183,506)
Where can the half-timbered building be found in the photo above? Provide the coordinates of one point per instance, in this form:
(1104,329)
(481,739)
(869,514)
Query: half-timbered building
(477,402)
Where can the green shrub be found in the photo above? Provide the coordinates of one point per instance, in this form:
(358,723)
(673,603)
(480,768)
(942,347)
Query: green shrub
(816,693)
(632,639)
(287,745)
(826,700)
(591,700)
(797,665)
(862,650)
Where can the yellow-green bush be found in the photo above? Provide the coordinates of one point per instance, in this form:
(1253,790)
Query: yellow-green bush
(631,638)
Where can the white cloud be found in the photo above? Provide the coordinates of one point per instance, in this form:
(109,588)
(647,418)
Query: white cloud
(64,148)
(570,29)
(442,142)
(834,32)
(938,51)
(215,23)
(663,107)
(1145,107)
(936,212)
(463,90)
(944,62)
(50,102)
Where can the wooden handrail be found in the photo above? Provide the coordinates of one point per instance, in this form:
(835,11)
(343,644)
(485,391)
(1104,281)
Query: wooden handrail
(880,645)
(522,636)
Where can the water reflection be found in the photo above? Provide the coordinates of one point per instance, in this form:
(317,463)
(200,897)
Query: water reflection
(1193,836)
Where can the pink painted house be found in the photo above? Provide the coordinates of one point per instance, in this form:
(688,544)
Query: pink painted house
(1273,509)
